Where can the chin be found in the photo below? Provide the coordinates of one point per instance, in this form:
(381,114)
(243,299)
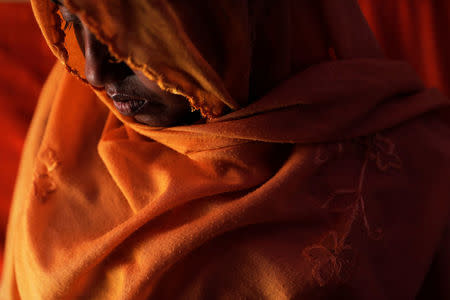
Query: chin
(155,121)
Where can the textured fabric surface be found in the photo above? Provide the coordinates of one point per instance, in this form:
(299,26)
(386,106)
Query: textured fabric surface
(25,62)
(331,184)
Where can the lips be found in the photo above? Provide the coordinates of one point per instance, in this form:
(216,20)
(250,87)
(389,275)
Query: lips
(128,105)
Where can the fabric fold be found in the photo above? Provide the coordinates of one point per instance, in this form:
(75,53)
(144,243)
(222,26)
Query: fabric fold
(322,186)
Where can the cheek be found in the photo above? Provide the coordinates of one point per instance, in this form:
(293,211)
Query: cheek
(147,83)
(79,34)
(176,104)
(180,103)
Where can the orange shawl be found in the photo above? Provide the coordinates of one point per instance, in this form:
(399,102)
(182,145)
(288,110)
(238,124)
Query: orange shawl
(21,79)
(328,180)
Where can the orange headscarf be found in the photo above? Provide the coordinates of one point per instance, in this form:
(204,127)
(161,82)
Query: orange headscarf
(320,183)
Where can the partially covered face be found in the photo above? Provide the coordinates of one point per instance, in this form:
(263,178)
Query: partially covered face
(132,92)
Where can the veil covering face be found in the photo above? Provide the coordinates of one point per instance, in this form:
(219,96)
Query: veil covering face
(312,176)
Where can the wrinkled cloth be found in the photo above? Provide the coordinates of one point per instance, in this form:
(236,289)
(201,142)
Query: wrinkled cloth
(21,78)
(327,180)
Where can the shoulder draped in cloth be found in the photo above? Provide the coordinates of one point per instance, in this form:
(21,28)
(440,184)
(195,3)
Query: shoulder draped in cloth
(321,172)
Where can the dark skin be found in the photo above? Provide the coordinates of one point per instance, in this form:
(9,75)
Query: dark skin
(132,92)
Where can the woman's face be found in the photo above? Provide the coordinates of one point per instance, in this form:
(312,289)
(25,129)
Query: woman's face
(133,94)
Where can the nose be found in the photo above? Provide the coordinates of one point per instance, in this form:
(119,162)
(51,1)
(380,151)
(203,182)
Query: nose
(96,60)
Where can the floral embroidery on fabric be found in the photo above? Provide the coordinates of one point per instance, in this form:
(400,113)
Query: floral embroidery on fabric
(43,186)
(340,194)
(50,160)
(384,152)
(43,183)
(377,233)
(324,153)
(327,258)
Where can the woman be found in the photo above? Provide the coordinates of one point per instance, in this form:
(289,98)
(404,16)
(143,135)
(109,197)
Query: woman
(317,170)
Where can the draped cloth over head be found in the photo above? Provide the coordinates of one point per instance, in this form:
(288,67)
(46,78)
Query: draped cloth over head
(320,174)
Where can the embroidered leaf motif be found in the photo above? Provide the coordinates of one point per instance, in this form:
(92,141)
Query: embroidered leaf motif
(325,258)
(383,151)
(43,186)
